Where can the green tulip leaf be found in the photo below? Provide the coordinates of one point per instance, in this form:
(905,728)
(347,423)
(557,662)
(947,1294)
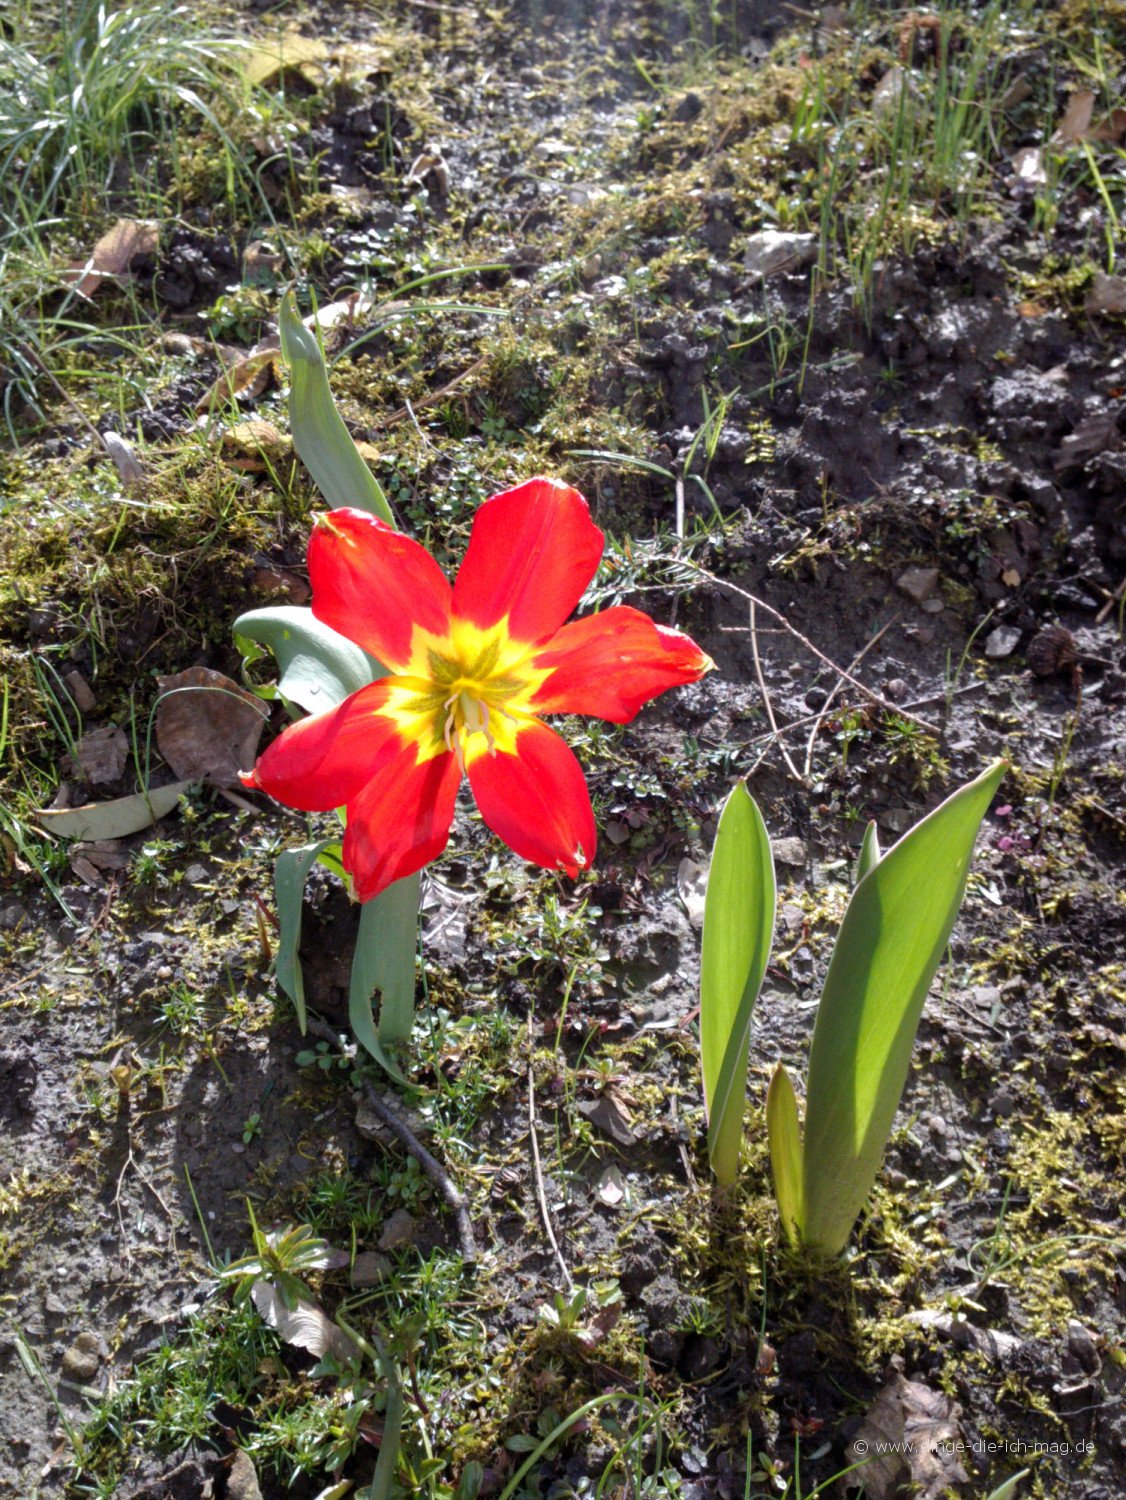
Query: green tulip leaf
(384,963)
(323,443)
(739,908)
(783,1133)
(869,856)
(318,667)
(291,871)
(892,939)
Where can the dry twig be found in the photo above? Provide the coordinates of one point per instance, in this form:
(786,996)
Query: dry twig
(541,1193)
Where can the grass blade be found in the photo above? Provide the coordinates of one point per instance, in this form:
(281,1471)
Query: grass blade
(324,445)
(783,1132)
(738,928)
(891,941)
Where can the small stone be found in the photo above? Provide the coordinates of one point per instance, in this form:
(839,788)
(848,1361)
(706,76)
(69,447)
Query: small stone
(242,1481)
(789,852)
(370,1268)
(938,1127)
(398,1231)
(195,874)
(81,691)
(773,250)
(1081,1344)
(1002,642)
(896,690)
(11,915)
(1002,1104)
(81,1360)
(917,583)
(101,754)
(54,1305)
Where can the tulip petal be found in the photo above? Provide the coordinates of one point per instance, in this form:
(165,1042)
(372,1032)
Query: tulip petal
(535,799)
(374,585)
(401,820)
(532,552)
(323,761)
(607,665)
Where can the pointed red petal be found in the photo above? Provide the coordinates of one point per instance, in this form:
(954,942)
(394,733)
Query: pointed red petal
(532,552)
(374,585)
(322,762)
(607,665)
(536,800)
(400,821)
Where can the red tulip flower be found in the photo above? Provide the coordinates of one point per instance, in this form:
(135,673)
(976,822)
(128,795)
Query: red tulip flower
(474,667)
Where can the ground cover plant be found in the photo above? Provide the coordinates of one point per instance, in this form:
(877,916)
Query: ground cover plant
(822,315)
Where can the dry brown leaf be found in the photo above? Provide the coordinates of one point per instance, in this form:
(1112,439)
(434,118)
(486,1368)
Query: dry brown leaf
(598,1329)
(253,445)
(101,754)
(611,1117)
(207,727)
(114,251)
(304,1326)
(1076,119)
(130,469)
(1112,130)
(909,1442)
(288,53)
(246,377)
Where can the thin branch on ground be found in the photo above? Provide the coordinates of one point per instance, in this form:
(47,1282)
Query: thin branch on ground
(852,666)
(541,1193)
(870,693)
(793,770)
(411,1143)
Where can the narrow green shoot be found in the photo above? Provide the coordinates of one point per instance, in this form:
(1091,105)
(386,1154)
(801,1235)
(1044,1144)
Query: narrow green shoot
(739,910)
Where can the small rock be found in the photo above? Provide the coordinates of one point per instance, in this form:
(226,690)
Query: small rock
(1002,642)
(1002,1104)
(370,1268)
(789,852)
(242,1481)
(11,915)
(1107,294)
(918,583)
(1082,1345)
(54,1305)
(773,250)
(896,690)
(688,108)
(195,874)
(81,691)
(398,1231)
(81,1360)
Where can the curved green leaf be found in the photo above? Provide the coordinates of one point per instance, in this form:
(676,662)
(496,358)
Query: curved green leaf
(115,819)
(319,668)
(324,445)
(291,871)
(384,961)
(783,1132)
(891,941)
(739,911)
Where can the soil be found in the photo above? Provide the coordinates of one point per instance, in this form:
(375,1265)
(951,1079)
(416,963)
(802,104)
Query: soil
(928,490)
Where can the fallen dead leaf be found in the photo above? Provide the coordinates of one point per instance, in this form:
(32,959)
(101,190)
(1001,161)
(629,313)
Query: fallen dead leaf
(288,53)
(113,253)
(303,1326)
(907,1442)
(692,885)
(429,170)
(101,754)
(254,445)
(611,1187)
(207,727)
(1076,119)
(597,1330)
(115,819)
(130,469)
(1111,130)
(994,1344)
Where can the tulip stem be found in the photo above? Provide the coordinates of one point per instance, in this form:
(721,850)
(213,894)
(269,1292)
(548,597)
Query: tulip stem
(411,1143)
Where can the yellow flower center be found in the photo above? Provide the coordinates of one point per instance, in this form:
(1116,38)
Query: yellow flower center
(468,693)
